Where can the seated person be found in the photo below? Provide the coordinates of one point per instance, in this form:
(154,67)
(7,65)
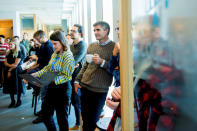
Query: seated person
(12,62)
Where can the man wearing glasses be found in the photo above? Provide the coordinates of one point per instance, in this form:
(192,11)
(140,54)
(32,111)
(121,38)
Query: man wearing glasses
(78,49)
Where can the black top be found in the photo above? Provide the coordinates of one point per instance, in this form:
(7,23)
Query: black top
(11,59)
(34,51)
(45,53)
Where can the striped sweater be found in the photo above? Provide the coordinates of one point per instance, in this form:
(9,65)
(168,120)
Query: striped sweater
(3,49)
(63,65)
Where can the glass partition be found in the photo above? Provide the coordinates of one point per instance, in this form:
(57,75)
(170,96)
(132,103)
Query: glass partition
(165,64)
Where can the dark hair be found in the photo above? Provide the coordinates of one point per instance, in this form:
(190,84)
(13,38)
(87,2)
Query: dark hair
(25,33)
(31,39)
(2,36)
(59,36)
(103,25)
(80,29)
(8,38)
(39,34)
(16,37)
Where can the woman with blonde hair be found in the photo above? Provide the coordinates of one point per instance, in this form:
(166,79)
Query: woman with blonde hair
(12,85)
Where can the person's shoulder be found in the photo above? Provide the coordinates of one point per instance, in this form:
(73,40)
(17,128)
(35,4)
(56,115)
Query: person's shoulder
(22,46)
(4,45)
(93,44)
(49,44)
(112,42)
(68,54)
(82,42)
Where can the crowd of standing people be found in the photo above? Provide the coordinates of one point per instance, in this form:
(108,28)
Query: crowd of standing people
(84,75)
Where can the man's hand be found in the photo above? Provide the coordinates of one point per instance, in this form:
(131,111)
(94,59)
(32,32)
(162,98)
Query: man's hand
(33,57)
(111,104)
(35,74)
(13,66)
(76,87)
(31,68)
(25,81)
(96,59)
(116,94)
(77,65)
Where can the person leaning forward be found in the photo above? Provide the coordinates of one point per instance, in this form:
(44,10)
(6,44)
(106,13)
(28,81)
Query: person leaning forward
(59,91)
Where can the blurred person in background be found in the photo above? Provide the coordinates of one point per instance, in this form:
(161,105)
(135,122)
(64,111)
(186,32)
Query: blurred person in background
(3,49)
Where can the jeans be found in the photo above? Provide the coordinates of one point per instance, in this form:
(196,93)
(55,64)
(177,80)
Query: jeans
(76,102)
(76,98)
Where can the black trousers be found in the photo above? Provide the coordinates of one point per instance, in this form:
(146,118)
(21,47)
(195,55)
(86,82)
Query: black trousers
(1,72)
(57,98)
(91,107)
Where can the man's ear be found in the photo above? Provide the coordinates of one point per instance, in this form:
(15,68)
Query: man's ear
(106,30)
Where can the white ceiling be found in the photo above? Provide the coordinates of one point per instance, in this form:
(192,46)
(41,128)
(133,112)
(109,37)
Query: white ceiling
(49,11)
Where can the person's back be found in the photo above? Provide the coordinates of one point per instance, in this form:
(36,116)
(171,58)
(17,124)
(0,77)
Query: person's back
(3,49)
(46,50)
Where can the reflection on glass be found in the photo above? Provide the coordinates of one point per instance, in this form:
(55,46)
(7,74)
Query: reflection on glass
(165,61)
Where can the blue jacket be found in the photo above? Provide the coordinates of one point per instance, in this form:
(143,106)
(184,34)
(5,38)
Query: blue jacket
(112,64)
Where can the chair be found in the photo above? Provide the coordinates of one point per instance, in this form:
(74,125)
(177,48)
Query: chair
(35,94)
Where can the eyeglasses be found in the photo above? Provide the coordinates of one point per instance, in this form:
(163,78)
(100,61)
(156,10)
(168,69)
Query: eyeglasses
(117,29)
(74,31)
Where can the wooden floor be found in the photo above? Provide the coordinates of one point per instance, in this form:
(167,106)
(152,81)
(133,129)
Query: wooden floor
(20,119)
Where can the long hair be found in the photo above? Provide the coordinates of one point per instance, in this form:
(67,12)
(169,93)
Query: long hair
(16,50)
(59,36)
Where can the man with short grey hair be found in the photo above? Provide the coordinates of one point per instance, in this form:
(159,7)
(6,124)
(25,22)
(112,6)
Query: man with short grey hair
(93,79)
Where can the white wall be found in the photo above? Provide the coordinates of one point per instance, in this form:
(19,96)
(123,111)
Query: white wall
(177,9)
(16,20)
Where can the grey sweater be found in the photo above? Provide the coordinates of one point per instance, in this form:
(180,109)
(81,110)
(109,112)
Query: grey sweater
(92,76)
(79,52)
